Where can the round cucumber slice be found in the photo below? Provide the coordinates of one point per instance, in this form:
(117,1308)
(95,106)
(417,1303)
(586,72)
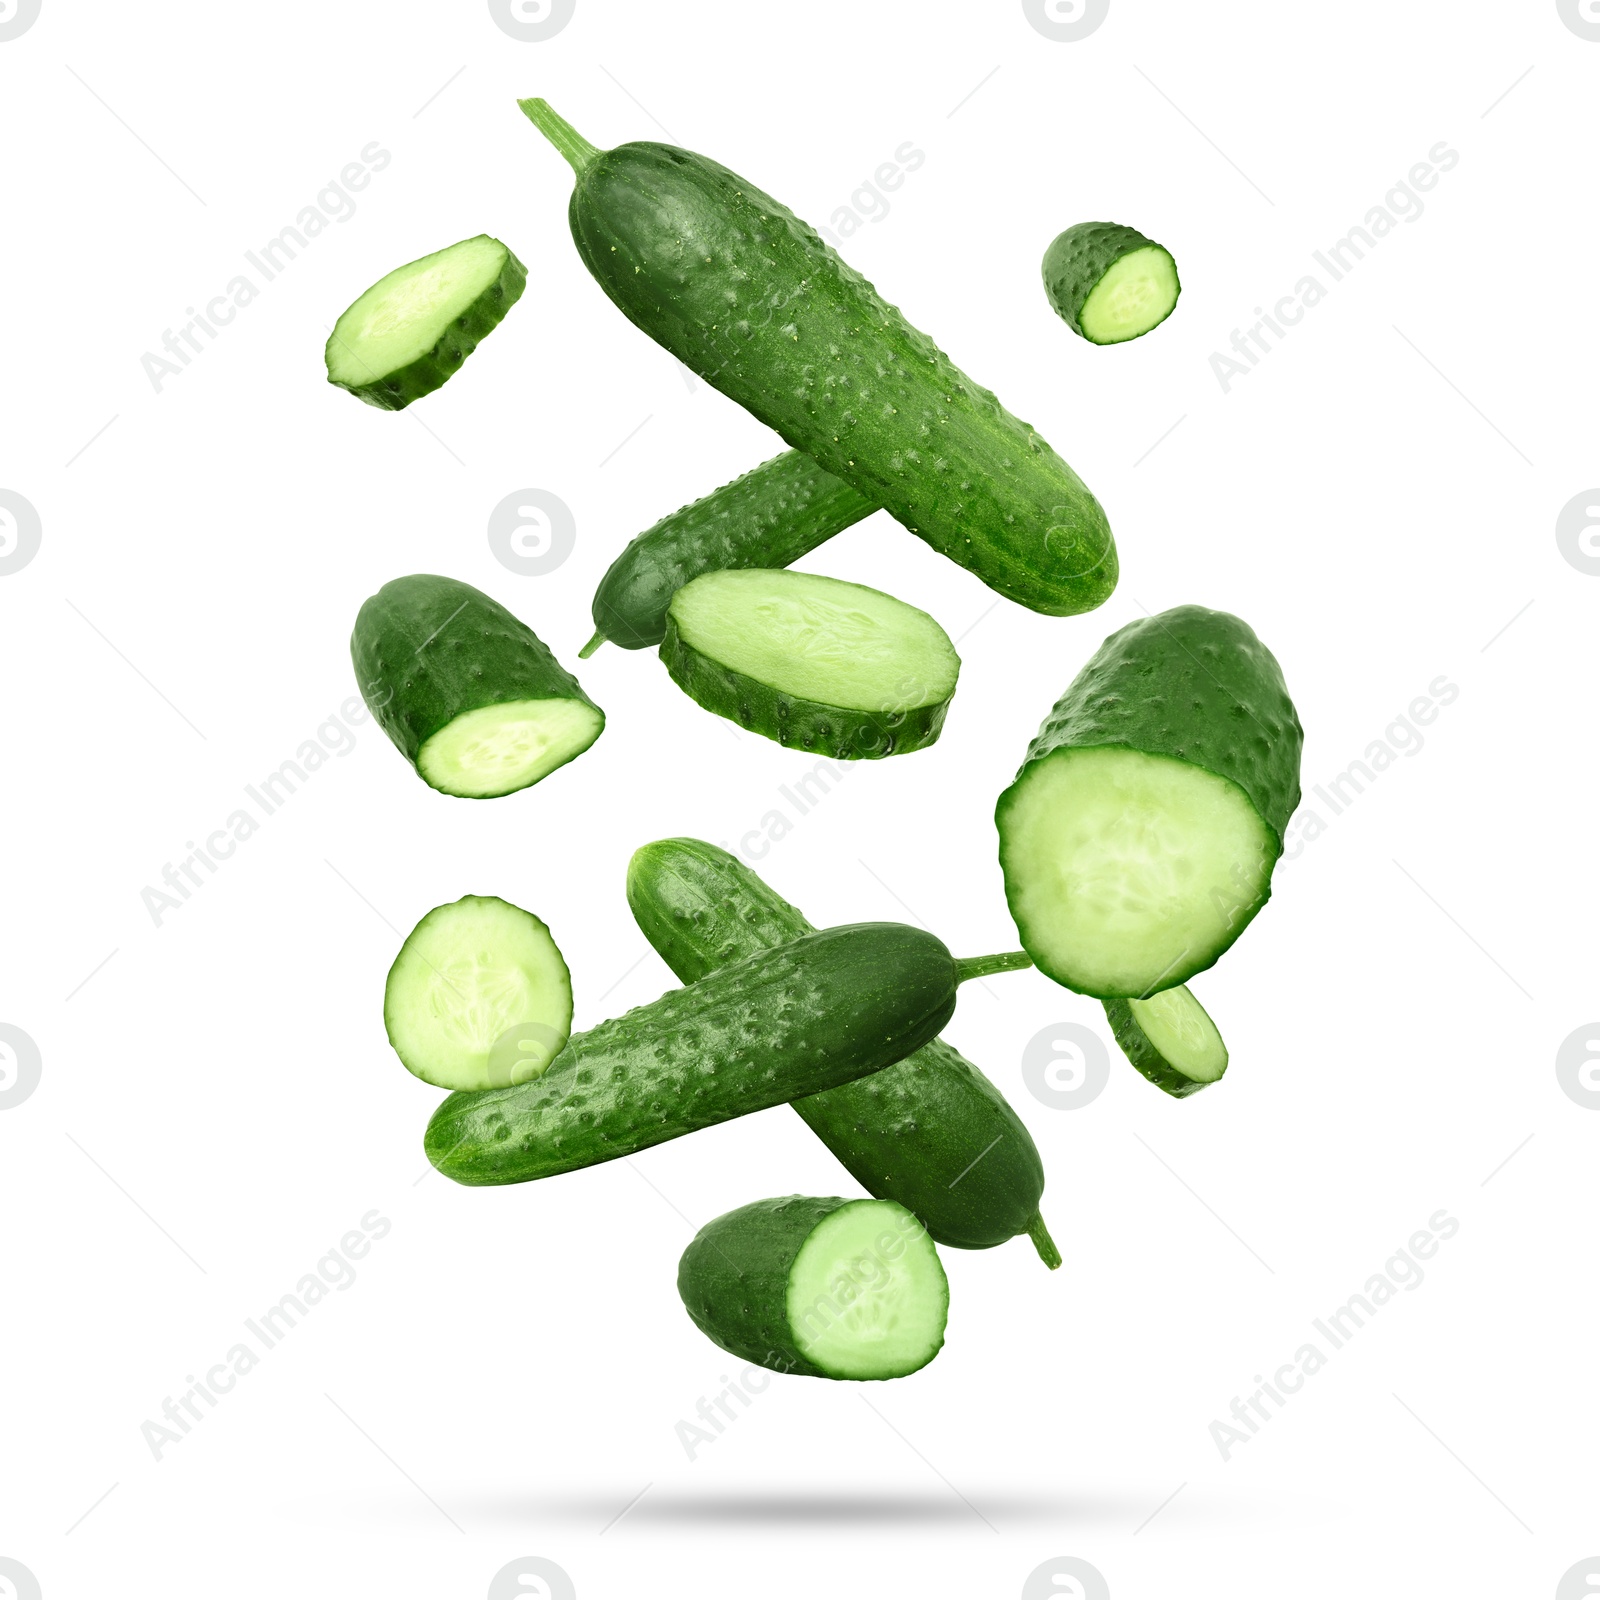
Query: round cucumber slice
(1170,1039)
(1131,872)
(479,996)
(410,332)
(812,661)
(496,750)
(867,1294)
(1109,283)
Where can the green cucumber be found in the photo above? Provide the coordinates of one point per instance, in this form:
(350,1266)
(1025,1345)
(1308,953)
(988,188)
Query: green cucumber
(1109,283)
(478,997)
(410,332)
(1170,1039)
(818,1287)
(812,662)
(1139,837)
(808,1015)
(746,295)
(469,694)
(770,517)
(930,1132)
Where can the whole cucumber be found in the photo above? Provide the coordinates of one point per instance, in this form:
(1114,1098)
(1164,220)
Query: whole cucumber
(930,1132)
(748,296)
(808,1015)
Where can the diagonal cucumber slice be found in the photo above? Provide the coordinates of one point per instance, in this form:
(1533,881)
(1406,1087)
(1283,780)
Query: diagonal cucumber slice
(479,996)
(410,332)
(1170,1039)
(812,662)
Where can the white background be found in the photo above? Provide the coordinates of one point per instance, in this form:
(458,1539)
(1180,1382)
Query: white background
(218,1104)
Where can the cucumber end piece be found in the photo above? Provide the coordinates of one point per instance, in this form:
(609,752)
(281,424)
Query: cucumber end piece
(572,144)
(1044,1244)
(593,645)
(867,1296)
(1170,1039)
(496,750)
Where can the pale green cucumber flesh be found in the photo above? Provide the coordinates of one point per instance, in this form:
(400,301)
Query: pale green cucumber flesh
(497,749)
(1138,291)
(867,1296)
(409,333)
(818,639)
(1127,873)
(1170,1039)
(479,996)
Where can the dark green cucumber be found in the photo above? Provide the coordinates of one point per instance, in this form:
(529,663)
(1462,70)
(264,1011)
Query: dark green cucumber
(930,1132)
(770,517)
(1170,1039)
(1139,837)
(468,693)
(409,333)
(818,1287)
(812,662)
(1109,283)
(746,295)
(787,1022)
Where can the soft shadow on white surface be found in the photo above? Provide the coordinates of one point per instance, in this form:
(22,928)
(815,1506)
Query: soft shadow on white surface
(618,1510)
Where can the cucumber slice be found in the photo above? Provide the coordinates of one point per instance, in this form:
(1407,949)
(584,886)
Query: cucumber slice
(1110,283)
(821,1287)
(812,662)
(468,693)
(479,996)
(1139,837)
(410,332)
(1170,1039)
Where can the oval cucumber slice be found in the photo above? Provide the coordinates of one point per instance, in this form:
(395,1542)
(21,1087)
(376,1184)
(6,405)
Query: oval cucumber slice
(1170,1039)
(410,332)
(1109,283)
(819,1286)
(479,996)
(812,662)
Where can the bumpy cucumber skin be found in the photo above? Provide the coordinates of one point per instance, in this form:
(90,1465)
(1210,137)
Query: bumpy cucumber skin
(770,517)
(1079,258)
(931,1132)
(1136,1046)
(394,391)
(734,1280)
(835,731)
(426,649)
(783,1023)
(1193,685)
(748,296)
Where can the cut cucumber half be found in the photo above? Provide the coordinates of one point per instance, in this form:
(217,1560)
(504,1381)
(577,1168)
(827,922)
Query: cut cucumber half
(1139,837)
(479,996)
(1110,283)
(410,332)
(1170,1039)
(469,694)
(821,1287)
(812,662)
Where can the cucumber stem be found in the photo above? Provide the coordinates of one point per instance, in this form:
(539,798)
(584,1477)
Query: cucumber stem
(560,133)
(1044,1244)
(593,645)
(982,966)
